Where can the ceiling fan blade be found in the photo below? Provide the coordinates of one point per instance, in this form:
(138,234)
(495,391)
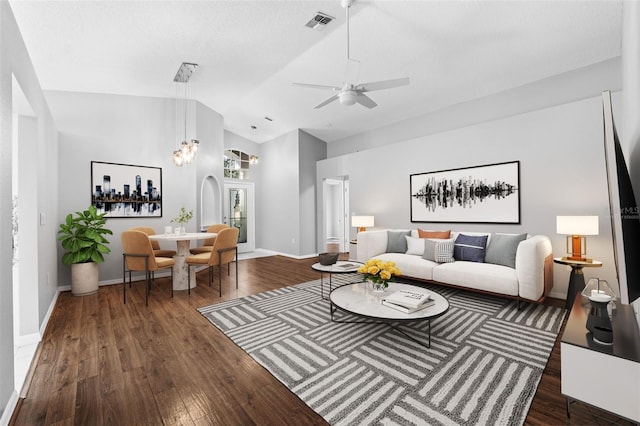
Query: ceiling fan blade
(381,85)
(326,101)
(352,71)
(364,100)
(317,86)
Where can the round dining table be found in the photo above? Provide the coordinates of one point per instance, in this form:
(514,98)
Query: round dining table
(181,269)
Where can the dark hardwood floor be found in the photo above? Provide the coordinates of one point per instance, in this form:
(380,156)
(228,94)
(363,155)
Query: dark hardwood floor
(103,362)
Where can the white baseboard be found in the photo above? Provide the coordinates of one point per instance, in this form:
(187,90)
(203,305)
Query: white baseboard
(8,410)
(26,340)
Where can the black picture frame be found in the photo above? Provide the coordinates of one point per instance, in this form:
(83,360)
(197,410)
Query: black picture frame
(479,194)
(126,190)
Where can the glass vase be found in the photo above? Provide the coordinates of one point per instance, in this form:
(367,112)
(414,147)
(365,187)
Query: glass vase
(378,286)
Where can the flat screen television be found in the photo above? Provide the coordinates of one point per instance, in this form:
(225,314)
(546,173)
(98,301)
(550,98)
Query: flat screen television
(625,220)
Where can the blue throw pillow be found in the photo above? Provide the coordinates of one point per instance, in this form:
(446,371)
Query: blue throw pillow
(470,247)
(396,241)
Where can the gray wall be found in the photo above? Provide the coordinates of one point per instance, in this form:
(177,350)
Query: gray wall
(562,172)
(209,161)
(129,130)
(15,62)
(312,150)
(286,193)
(278,220)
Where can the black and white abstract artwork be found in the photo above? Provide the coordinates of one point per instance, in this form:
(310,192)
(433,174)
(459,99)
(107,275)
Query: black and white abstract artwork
(124,190)
(481,194)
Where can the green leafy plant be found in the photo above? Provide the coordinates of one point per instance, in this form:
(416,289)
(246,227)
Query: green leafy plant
(184,216)
(82,236)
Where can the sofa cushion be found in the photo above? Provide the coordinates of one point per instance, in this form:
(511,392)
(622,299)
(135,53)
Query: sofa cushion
(415,246)
(445,235)
(478,276)
(502,248)
(470,247)
(440,251)
(410,266)
(396,241)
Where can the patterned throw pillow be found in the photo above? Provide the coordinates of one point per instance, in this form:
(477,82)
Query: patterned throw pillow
(440,251)
(470,247)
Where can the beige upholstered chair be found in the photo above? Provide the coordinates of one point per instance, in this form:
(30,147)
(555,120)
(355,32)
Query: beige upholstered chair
(137,255)
(224,251)
(208,243)
(159,252)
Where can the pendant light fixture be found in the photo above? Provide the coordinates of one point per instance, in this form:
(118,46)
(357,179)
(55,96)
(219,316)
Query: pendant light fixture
(188,148)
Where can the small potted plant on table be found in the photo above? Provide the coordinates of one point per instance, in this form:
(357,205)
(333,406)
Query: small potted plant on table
(182,219)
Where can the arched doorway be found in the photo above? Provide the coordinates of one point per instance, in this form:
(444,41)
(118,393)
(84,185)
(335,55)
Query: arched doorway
(210,202)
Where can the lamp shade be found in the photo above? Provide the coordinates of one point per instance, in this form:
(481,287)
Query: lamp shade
(577,225)
(361,221)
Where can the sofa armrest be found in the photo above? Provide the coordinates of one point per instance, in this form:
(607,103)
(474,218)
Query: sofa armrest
(533,260)
(371,244)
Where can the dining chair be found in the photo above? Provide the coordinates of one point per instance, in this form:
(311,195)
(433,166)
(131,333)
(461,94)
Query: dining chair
(208,243)
(157,250)
(224,251)
(138,256)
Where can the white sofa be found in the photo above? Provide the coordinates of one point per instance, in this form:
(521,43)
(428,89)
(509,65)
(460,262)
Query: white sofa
(531,279)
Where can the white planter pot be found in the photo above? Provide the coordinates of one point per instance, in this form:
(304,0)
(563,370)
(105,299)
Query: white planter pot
(84,278)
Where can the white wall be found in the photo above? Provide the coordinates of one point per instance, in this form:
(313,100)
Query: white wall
(15,63)
(128,130)
(562,172)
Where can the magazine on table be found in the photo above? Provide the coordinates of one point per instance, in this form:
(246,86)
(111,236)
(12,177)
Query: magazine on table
(347,265)
(407,310)
(409,298)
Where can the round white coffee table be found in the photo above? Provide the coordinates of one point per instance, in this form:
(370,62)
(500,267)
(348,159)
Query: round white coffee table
(359,299)
(340,267)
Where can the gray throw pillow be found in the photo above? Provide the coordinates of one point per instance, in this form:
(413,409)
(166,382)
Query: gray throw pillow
(396,243)
(440,251)
(470,247)
(502,249)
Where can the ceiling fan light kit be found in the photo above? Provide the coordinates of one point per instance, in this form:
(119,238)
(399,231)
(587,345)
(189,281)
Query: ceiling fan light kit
(350,94)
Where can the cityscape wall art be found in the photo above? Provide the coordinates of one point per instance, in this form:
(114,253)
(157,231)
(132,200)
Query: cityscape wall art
(480,194)
(124,190)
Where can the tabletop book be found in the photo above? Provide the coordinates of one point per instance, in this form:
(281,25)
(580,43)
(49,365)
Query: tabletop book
(408,301)
(406,309)
(408,298)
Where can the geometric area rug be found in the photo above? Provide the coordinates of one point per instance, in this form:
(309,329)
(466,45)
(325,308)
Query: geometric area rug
(484,365)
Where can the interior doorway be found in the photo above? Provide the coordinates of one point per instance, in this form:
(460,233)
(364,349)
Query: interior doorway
(26,221)
(239,212)
(336,211)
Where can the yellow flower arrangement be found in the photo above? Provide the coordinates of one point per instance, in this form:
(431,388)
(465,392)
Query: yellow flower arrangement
(378,271)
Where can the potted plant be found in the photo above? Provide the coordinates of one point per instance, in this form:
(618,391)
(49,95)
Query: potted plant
(183,218)
(82,236)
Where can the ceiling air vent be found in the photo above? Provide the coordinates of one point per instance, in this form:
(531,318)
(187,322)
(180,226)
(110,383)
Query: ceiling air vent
(319,21)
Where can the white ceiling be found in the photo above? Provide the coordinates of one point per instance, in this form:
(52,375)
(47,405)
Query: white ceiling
(250,53)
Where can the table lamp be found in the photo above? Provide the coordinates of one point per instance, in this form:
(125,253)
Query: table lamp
(361,222)
(576,228)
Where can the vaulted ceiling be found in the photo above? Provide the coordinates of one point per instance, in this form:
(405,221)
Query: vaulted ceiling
(250,52)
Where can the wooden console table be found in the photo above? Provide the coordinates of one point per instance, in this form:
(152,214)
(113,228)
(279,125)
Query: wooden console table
(604,376)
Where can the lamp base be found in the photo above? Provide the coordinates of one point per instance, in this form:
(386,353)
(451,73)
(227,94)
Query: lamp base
(362,229)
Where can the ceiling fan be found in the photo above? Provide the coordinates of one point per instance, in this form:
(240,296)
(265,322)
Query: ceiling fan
(351,93)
